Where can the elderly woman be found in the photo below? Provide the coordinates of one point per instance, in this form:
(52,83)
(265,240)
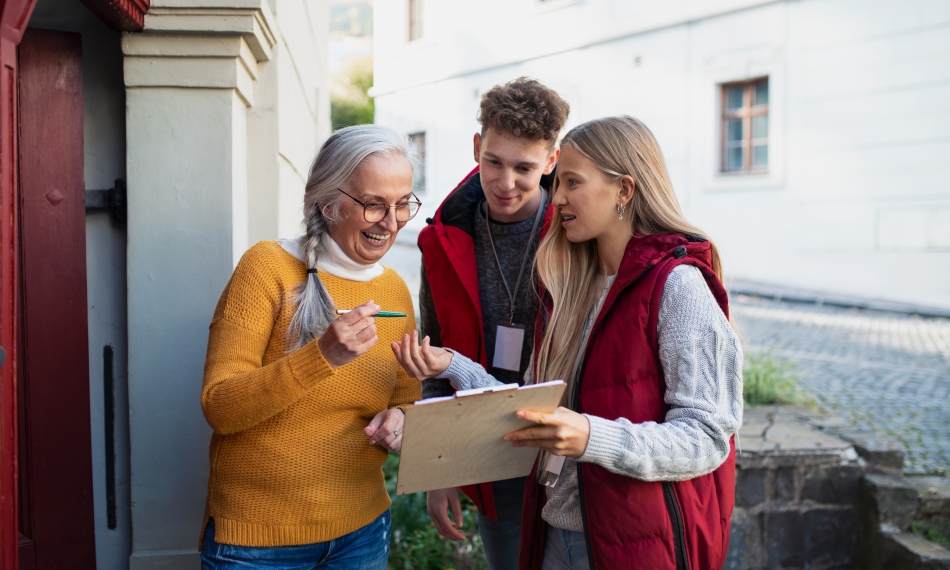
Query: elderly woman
(305,404)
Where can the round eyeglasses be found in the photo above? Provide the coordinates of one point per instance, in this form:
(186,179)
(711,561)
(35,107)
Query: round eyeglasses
(374,211)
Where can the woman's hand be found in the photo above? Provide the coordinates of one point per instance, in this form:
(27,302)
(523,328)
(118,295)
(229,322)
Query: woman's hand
(438,504)
(386,429)
(350,335)
(562,432)
(421,362)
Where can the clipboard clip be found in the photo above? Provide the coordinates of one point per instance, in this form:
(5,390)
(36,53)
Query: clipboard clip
(486,390)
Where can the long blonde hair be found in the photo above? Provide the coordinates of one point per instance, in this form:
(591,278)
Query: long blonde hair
(569,271)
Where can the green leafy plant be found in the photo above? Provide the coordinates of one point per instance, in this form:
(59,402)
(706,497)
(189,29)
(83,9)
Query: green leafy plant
(350,103)
(769,380)
(415,543)
(930,534)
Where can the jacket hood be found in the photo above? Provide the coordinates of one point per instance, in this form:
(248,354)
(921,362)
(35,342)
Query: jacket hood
(458,209)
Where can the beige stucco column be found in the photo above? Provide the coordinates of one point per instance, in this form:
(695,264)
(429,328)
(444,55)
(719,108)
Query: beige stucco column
(191,79)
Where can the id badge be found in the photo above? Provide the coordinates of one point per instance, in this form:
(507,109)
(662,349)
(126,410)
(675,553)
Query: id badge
(552,470)
(509,338)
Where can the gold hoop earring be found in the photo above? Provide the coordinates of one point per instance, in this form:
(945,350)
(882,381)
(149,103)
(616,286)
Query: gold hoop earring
(621,208)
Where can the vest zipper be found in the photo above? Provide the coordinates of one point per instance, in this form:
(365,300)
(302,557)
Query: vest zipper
(573,404)
(580,490)
(676,519)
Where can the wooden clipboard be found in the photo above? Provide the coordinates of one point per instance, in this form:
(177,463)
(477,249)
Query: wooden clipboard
(455,441)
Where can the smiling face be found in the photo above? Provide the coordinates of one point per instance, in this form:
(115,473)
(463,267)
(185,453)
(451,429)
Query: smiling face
(510,169)
(379,178)
(587,199)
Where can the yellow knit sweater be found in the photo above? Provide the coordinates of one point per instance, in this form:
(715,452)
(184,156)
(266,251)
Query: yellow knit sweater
(289,461)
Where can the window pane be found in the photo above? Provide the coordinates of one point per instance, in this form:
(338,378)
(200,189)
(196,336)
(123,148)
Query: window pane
(762,93)
(734,130)
(417,142)
(415,19)
(734,97)
(760,127)
(734,158)
(760,156)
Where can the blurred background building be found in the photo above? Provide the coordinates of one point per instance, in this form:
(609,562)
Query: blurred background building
(808,137)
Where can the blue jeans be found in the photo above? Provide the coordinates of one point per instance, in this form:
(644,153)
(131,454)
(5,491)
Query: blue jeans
(564,550)
(365,548)
(502,537)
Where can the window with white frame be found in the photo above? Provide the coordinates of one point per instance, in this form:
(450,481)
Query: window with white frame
(745,126)
(417,141)
(415,19)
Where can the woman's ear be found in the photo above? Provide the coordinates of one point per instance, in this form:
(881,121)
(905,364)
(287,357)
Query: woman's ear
(627,187)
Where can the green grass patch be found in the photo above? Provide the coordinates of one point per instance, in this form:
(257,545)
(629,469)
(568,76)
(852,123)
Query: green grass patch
(415,543)
(768,379)
(930,534)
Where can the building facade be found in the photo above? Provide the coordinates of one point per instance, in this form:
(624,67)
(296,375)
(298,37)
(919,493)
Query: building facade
(807,137)
(143,148)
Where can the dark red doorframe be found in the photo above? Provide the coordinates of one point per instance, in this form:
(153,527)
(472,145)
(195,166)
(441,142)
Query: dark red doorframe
(126,15)
(14,15)
(56,504)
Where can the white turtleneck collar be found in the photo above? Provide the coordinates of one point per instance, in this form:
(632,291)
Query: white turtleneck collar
(334,260)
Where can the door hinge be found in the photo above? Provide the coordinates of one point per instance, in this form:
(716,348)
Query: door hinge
(112,199)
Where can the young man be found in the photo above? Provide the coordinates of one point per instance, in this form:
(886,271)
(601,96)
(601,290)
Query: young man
(479,290)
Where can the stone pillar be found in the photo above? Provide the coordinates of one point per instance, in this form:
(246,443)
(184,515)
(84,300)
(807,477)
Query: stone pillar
(190,79)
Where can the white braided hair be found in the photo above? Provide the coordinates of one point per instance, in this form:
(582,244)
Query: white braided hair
(331,170)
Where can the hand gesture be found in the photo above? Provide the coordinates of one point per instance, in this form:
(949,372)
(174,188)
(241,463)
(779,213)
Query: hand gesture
(421,362)
(438,504)
(563,432)
(386,429)
(350,335)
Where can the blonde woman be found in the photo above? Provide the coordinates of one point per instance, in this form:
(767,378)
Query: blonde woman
(635,319)
(305,404)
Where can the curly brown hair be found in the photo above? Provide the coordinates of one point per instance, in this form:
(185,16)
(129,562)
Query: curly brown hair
(524,108)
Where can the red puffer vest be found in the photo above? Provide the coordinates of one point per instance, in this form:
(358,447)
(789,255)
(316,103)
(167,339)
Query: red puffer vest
(631,523)
(448,252)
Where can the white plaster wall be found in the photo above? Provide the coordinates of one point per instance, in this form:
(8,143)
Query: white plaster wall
(104,154)
(855,200)
(290,118)
(181,158)
(263,153)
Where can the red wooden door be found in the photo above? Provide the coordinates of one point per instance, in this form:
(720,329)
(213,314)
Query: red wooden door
(56,504)
(13,17)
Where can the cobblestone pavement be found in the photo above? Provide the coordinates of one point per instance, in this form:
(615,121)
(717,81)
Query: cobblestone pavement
(885,373)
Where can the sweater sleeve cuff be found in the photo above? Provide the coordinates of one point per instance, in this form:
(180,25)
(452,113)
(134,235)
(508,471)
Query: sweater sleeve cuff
(605,445)
(465,374)
(309,366)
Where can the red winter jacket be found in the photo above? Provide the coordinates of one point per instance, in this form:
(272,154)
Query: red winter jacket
(631,523)
(448,253)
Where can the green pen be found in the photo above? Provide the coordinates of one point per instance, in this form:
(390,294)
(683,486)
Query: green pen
(383,314)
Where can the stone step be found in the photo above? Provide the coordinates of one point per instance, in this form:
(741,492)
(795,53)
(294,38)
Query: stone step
(899,550)
(901,501)
(897,512)
(933,503)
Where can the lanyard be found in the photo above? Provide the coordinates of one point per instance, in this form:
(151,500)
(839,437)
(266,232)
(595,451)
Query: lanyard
(513,295)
